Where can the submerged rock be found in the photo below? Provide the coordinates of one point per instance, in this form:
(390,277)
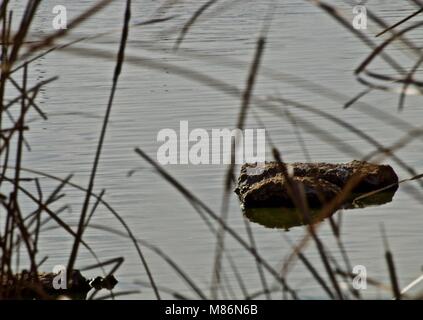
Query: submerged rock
(286,218)
(264,185)
(281,218)
(27,286)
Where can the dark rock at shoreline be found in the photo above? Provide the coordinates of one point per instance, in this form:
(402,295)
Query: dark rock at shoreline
(28,286)
(264,185)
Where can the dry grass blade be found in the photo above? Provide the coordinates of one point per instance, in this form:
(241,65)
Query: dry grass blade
(329,208)
(357,97)
(192,20)
(299,136)
(19,38)
(160,253)
(93,37)
(231,90)
(82,220)
(259,266)
(371,281)
(418,3)
(379,49)
(408,81)
(218,219)
(379,21)
(238,276)
(94,207)
(296,192)
(116,262)
(30,209)
(333,12)
(173,293)
(400,22)
(391,267)
(412,285)
(116,74)
(118,294)
(276,75)
(245,103)
(34,89)
(49,40)
(360,133)
(54,216)
(97,197)
(313,271)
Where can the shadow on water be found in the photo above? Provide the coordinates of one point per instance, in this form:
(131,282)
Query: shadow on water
(286,218)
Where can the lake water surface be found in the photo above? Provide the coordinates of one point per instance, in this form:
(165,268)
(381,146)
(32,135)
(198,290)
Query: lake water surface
(303,43)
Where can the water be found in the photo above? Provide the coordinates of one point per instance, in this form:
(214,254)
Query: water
(303,41)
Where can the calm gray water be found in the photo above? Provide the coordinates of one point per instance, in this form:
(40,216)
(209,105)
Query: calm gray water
(303,41)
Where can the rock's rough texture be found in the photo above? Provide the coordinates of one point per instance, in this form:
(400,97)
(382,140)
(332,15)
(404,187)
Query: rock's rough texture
(264,185)
(273,192)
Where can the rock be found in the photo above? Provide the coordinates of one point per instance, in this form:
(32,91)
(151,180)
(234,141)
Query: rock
(107,282)
(273,192)
(26,286)
(264,185)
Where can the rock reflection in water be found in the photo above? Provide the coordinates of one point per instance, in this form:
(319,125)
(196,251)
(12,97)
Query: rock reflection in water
(286,218)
